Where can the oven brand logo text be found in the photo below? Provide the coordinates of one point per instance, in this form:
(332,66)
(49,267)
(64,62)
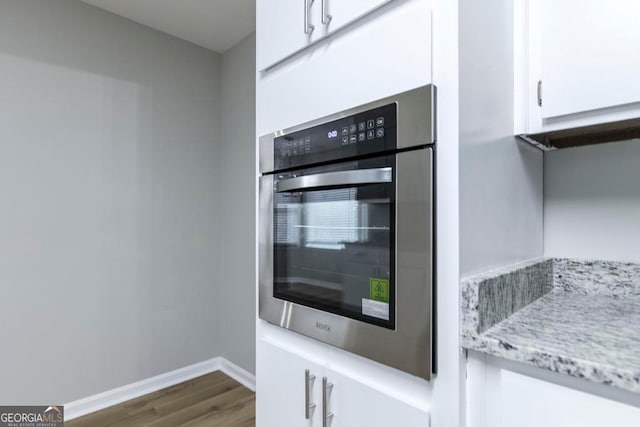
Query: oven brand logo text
(323,326)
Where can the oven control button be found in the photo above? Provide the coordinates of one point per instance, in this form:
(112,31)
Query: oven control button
(380,121)
(362,136)
(345,140)
(370,124)
(307,140)
(371,134)
(352,139)
(362,126)
(307,149)
(380,132)
(345,131)
(353,128)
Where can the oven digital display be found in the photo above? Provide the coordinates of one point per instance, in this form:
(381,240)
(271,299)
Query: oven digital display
(366,133)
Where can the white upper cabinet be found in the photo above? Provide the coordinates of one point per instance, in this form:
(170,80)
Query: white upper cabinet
(339,13)
(286,27)
(577,63)
(387,53)
(590,55)
(283,29)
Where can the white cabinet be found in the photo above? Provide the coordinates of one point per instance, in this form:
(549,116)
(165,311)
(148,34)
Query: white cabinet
(280,388)
(355,404)
(498,396)
(529,402)
(281,395)
(280,25)
(285,27)
(590,55)
(343,12)
(577,63)
(388,54)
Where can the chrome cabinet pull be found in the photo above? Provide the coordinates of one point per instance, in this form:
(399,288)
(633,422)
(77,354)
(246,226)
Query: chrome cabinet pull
(308,27)
(308,406)
(326,16)
(326,415)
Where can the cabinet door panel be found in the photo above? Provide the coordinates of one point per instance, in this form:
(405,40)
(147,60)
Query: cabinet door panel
(280,29)
(387,55)
(356,404)
(280,388)
(529,402)
(590,55)
(344,12)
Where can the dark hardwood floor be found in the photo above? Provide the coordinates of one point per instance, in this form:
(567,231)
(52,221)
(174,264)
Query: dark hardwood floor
(210,400)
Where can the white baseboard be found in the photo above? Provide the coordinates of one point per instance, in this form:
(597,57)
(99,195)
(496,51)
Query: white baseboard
(244,377)
(112,397)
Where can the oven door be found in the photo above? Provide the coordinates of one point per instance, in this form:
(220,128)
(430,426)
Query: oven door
(346,256)
(333,240)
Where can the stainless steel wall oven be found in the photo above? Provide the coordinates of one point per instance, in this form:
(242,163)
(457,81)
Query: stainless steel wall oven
(346,247)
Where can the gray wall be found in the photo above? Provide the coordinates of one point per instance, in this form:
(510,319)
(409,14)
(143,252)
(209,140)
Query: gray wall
(501,180)
(592,202)
(237,168)
(109,237)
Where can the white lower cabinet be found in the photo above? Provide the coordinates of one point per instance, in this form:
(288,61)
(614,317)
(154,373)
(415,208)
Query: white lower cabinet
(529,402)
(282,395)
(355,404)
(280,388)
(500,397)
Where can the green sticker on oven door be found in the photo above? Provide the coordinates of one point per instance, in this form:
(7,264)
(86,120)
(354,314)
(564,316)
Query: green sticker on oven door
(379,289)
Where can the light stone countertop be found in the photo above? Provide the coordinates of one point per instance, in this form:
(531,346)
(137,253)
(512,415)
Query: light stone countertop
(580,318)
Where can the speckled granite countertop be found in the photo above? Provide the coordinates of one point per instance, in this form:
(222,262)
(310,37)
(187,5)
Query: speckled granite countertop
(581,318)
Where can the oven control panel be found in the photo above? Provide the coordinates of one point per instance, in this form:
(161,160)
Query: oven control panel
(364,133)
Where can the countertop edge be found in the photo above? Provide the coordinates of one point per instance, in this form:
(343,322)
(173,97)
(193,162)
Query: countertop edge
(554,361)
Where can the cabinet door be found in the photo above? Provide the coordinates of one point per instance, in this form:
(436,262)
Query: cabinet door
(353,403)
(590,55)
(280,388)
(310,89)
(343,12)
(280,29)
(529,402)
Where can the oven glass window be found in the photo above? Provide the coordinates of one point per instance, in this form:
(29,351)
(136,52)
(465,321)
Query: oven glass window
(333,250)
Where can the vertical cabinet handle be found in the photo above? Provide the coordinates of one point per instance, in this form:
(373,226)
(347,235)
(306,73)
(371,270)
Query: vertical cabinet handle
(308,406)
(326,16)
(326,415)
(308,27)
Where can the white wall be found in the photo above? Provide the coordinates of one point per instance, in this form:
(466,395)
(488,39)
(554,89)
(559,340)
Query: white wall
(109,253)
(501,182)
(238,199)
(592,202)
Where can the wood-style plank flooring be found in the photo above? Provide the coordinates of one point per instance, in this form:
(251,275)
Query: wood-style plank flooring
(210,400)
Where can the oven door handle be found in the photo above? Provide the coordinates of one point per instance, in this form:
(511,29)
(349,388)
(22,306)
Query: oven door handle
(335,179)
